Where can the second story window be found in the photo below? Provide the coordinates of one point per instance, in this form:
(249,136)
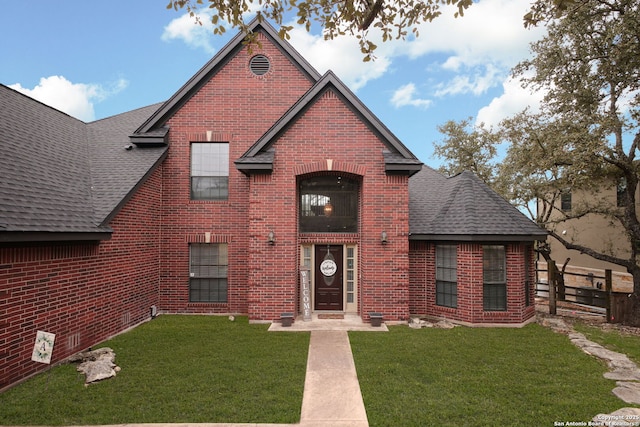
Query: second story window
(209,171)
(565,201)
(329,204)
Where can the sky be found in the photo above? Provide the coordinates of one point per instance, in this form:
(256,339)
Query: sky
(94,59)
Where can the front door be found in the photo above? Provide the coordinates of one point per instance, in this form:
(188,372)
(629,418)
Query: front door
(328,282)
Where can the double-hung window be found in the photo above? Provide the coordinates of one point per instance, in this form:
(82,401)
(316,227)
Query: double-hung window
(447,275)
(494,278)
(209,171)
(208,272)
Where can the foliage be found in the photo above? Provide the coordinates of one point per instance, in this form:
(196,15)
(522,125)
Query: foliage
(468,148)
(589,68)
(478,376)
(175,369)
(393,18)
(586,135)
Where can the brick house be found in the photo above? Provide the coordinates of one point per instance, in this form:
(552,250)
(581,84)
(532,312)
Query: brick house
(257,169)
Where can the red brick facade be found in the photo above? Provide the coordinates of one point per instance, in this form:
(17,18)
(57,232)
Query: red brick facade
(83,293)
(469,310)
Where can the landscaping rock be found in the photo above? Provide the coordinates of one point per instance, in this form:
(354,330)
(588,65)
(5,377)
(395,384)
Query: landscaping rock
(418,323)
(628,392)
(557,324)
(97,365)
(445,324)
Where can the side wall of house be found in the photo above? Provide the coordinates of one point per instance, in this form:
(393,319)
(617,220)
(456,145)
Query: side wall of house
(593,231)
(520,303)
(84,293)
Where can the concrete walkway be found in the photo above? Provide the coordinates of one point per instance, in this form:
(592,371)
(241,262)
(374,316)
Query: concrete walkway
(331,390)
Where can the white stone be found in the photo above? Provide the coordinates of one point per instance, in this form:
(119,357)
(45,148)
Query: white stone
(97,365)
(628,392)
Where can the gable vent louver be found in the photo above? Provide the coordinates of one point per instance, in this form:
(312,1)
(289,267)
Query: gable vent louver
(259,65)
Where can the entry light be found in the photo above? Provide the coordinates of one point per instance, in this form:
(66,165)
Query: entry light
(328,209)
(271,238)
(383,237)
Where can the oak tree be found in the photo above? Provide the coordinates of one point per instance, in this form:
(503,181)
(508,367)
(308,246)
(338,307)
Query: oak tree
(585,137)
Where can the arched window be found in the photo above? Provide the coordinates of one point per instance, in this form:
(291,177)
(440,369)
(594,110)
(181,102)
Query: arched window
(328,204)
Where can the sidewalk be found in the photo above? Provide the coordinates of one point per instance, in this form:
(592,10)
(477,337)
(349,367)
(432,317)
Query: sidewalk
(332,394)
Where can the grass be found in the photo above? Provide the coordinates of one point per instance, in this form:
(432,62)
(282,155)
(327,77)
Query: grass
(478,377)
(175,369)
(190,369)
(613,340)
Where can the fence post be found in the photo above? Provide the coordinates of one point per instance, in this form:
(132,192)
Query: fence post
(552,273)
(562,293)
(608,286)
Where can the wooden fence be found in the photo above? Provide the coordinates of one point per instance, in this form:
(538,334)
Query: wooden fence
(600,296)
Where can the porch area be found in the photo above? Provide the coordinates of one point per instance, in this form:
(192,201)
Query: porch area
(349,322)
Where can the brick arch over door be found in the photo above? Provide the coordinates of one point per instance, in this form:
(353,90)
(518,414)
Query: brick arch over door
(330,165)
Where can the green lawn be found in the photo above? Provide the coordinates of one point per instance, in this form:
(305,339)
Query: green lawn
(478,377)
(190,369)
(175,369)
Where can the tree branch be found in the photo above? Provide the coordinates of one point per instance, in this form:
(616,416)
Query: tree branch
(628,264)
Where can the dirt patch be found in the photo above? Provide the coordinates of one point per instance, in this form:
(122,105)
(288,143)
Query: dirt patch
(572,313)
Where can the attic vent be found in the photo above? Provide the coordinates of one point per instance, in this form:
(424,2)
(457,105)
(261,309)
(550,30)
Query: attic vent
(259,65)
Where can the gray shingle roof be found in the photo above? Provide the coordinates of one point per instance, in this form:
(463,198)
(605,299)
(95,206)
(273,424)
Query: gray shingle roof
(463,207)
(60,178)
(117,166)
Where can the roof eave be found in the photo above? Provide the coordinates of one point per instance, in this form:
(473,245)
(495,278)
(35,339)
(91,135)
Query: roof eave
(160,117)
(154,139)
(402,168)
(478,237)
(330,80)
(44,236)
(252,168)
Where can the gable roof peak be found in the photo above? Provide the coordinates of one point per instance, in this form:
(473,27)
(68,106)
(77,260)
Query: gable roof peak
(158,119)
(398,158)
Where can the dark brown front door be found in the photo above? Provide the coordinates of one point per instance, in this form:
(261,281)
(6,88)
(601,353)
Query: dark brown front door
(328,282)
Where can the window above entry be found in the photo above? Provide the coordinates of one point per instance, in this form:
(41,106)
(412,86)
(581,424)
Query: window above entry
(329,204)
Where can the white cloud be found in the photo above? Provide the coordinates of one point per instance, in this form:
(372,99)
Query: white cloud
(480,48)
(341,55)
(405,95)
(491,31)
(193,34)
(477,83)
(514,99)
(75,99)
